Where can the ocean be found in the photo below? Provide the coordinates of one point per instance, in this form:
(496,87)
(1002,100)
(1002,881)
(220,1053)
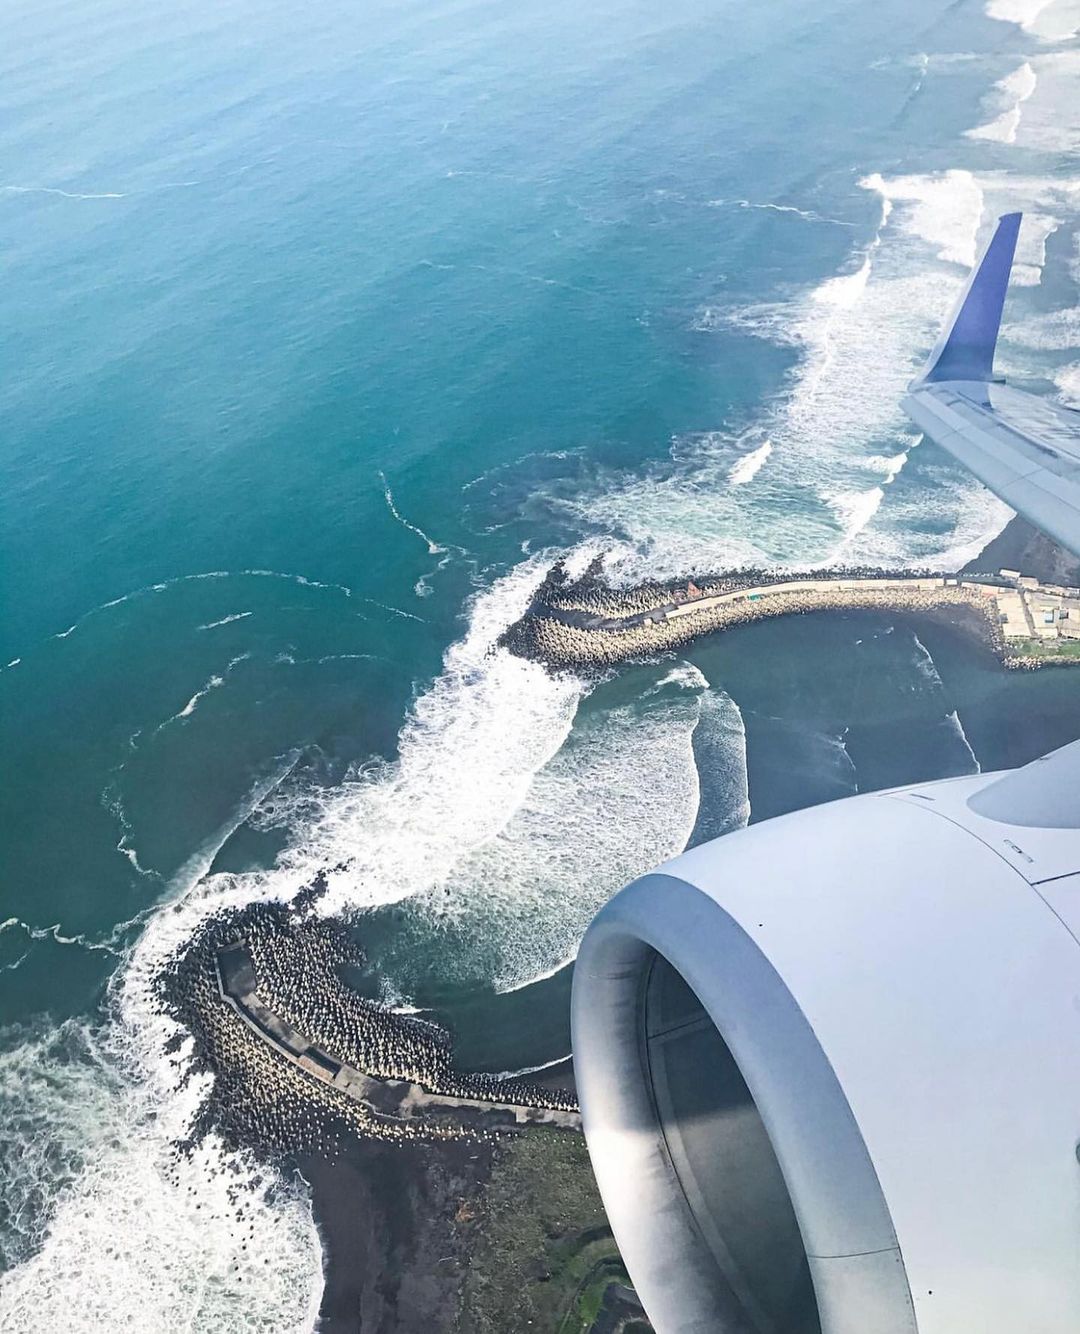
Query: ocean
(329,328)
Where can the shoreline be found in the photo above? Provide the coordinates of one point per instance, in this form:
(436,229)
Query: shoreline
(460,1238)
(406,1242)
(387,1216)
(1021,546)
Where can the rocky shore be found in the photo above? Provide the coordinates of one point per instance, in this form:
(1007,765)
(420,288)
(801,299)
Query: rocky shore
(1021,546)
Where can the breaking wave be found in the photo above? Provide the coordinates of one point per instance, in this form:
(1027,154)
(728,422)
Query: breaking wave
(1067,379)
(961,757)
(834,438)
(618,798)
(630,787)
(1050,121)
(720,755)
(749,466)
(1048,20)
(108,1225)
(953,721)
(1011,93)
(397,829)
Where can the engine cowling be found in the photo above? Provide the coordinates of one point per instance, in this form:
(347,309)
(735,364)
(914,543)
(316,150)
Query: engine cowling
(829,1066)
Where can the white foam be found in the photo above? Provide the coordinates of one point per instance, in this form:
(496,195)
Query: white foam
(618,798)
(193,703)
(466,755)
(227,620)
(844,771)
(1054,331)
(927,671)
(807,214)
(684,674)
(1051,117)
(954,722)
(748,467)
(112,802)
(434,549)
(927,60)
(942,209)
(534,1069)
(111,1228)
(1067,379)
(1031,247)
(859,335)
(1023,12)
(150,589)
(846,290)
(108,1231)
(1011,94)
(215,682)
(720,755)
(1049,20)
(889,465)
(395,611)
(925,665)
(854,510)
(56,934)
(53,190)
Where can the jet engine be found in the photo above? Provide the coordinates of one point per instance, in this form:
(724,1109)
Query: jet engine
(829,1066)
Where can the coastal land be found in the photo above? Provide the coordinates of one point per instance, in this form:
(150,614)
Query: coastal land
(449,1201)
(1021,546)
(447,1237)
(445,1200)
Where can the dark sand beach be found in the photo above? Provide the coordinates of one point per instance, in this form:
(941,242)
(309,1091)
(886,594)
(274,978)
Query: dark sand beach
(405,1227)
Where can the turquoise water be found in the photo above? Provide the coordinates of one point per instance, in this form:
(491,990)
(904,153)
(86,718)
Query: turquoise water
(329,328)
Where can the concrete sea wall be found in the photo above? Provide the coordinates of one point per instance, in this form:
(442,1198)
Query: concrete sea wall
(585,623)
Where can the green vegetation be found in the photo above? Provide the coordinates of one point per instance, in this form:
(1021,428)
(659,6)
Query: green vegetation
(541,1255)
(585,1302)
(1046,650)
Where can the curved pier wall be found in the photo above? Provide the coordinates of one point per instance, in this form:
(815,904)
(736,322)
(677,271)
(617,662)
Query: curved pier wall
(557,636)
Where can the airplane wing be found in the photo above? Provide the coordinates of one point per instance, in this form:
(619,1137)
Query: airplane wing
(1024,448)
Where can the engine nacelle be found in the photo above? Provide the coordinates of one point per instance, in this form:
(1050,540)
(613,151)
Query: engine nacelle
(829,1066)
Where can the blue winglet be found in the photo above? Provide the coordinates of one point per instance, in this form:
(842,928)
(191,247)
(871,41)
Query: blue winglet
(965,350)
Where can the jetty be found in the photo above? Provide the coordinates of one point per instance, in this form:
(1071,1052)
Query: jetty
(396,1099)
(301,1062)
(587,623)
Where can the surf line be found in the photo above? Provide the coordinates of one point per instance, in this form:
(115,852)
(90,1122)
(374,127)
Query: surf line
(434,549)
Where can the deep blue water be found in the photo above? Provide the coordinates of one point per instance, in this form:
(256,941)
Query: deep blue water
(368,312)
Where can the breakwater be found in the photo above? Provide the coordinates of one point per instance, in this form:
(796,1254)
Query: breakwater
(585,623)
(301,1062)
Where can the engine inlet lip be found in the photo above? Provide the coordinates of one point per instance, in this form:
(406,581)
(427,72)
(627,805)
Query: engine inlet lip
(845,1224)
